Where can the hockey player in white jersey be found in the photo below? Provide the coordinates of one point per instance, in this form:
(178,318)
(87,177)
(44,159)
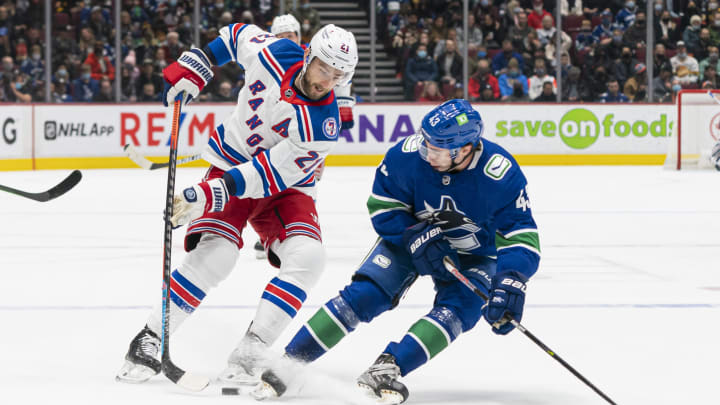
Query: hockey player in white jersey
(263,158)
(286,26)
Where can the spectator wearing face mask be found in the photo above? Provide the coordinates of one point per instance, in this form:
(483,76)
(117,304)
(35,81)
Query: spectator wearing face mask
(715,28)
(538,80)
(308,16)
(626,16)
(683,60)
(34,66)
(100,65)
(420,68)
(480,79)
(666,31)
(501,60)
(691,35)
(536,16)
(711,60)
(636,34)
(623,68)
(604,30)
(507,81)
(85,87)
(585,40)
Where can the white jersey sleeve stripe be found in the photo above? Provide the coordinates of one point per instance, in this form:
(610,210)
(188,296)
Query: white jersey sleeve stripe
(273,72)
(221,148)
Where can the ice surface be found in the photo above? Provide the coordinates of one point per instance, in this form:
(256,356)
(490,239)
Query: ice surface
(628,292)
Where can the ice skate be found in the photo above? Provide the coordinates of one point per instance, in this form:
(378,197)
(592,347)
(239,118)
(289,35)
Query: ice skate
(259,251)
(245,362)
(380,381)
(271,386)
(141,360)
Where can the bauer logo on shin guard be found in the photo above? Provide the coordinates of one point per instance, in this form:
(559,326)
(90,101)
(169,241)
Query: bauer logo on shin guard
(190,194)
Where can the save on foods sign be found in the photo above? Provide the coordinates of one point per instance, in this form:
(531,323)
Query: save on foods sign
(529,129)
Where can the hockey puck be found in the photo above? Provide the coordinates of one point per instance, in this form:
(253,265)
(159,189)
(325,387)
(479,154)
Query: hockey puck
(230,391)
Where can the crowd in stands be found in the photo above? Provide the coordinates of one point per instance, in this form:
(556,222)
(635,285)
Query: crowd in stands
(154,33)
(510,52)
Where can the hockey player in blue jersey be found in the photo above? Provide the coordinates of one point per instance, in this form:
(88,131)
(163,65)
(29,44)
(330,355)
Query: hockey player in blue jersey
(443,192)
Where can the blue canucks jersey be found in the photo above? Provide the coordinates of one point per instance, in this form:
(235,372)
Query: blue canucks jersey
(485,206)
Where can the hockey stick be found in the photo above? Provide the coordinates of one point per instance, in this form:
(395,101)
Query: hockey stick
(146,164)
(712,96)
(177,375)
(450,266)
(61,188)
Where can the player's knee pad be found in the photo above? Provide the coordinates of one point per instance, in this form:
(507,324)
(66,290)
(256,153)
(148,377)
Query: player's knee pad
(302,261)
(366,299)
(210,262)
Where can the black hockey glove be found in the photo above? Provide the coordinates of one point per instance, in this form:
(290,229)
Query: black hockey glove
(427,247)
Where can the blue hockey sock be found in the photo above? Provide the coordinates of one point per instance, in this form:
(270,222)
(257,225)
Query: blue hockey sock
(332,322)
(426,338)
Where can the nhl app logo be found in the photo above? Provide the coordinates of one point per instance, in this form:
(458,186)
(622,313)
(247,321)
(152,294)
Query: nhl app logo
(50,130)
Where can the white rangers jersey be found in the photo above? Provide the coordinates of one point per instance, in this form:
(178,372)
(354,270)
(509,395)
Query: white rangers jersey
(276,137)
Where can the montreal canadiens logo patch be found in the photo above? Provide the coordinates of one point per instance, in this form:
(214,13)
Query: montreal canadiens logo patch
(330,128)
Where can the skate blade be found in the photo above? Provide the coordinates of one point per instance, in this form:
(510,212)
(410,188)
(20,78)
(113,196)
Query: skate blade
(134,373)
(386,397)
(263,391)
(239,378)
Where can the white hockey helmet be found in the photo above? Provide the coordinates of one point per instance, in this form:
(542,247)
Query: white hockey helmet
(285,23)
(336,47)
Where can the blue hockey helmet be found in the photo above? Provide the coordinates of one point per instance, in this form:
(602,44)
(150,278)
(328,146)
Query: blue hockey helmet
(452,125)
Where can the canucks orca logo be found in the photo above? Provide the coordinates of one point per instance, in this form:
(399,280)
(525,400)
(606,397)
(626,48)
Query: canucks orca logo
(459,230)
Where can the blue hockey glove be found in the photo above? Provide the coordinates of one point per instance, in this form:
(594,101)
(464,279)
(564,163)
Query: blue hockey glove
(507,296)
(427,247)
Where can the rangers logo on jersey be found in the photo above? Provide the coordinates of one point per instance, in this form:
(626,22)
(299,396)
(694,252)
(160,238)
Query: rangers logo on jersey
(329,128)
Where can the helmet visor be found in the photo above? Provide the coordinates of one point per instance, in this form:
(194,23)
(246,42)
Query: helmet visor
(440,159)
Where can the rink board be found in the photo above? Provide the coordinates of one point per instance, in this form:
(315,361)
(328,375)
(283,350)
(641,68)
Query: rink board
(46,136)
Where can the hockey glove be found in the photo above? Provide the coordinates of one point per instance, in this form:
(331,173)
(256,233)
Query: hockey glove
(345,105)
(195,201)
(507,297)
(427,247)
(190,73)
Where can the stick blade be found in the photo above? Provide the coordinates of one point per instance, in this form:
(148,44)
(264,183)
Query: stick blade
(188,381)
(137,158)
(70,181)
